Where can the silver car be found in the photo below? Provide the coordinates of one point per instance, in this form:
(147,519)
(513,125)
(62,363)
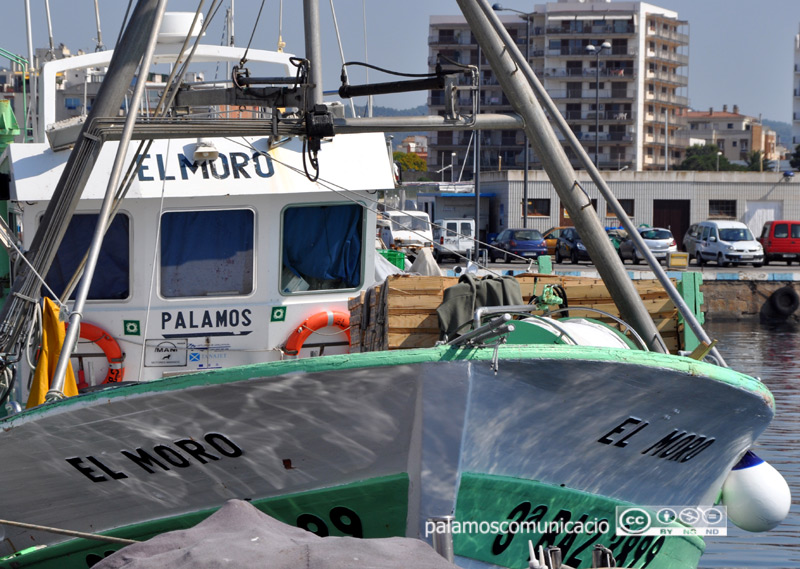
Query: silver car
(659,240)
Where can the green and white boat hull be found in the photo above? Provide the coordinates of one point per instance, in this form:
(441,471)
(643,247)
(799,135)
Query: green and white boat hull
(374,444)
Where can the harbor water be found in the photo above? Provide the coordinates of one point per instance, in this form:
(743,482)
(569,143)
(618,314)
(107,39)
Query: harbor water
(771,352)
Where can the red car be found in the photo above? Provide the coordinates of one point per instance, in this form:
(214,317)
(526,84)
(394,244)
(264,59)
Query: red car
(781,241)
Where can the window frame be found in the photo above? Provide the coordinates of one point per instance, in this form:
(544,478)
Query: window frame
(717,209)
(129,217)
(254,282)
(365,245)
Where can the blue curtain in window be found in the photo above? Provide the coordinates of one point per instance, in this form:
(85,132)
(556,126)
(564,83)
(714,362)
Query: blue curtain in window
(207,252)
(324,242)
(111,280)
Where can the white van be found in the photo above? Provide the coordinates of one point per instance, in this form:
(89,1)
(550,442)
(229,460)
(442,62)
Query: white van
(406,230)
(453,238)
(727,242)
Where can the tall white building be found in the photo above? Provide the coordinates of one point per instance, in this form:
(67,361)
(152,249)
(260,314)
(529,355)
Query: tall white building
(796,99)
(625,101)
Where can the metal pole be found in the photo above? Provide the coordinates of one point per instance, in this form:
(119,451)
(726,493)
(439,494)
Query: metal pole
(476,165)
(584,159)
(313,51)
(486,26)
(527,141)
(99,46)
(666,139)
(32,72)
(597,107)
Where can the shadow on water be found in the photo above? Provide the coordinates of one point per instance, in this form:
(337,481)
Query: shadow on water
(770,351)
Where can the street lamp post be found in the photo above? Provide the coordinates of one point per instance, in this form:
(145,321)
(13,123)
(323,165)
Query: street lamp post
(499,8)
(718,155)
(592,49)
(452,167)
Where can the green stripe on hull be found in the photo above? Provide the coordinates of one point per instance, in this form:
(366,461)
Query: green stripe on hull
(372,508)
(485,498)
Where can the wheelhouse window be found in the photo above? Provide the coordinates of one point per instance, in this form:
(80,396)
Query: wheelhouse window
(322,248)
(207,253)
(111,280)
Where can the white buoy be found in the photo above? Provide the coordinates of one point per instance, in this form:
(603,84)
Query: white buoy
(756,495)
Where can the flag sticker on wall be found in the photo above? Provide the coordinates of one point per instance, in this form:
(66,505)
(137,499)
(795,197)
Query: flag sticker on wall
(131,327)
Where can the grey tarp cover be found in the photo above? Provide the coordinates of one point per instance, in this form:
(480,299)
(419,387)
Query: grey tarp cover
(239,535)
(460,301)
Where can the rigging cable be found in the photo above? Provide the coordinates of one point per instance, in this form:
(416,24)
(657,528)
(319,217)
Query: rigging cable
(124,19)
(341,55)
(253,33)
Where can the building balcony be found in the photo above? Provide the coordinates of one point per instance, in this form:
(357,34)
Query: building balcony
(605,72)
(605,116)
(618,137)
(667,57)
(589,95)
(581,51)
(672,36)
(459,39)
(667,98)
(666,77)
(674,120)
(589,29)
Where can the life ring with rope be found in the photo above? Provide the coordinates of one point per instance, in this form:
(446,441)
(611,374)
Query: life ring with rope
(313,323)
(109,346)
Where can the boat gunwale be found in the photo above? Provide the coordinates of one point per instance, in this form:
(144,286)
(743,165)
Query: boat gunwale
(386,358)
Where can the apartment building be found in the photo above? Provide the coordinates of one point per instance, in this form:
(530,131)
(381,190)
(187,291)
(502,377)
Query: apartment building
(736,135)
(796,99)
(617,71)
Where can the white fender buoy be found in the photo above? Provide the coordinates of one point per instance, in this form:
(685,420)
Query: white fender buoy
(756,495)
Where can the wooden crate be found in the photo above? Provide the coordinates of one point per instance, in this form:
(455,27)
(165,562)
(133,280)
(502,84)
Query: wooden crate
(401,312)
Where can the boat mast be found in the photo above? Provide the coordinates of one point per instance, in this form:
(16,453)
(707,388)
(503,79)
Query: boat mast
(32,111)
(313,52)
(99,46)
(561,173)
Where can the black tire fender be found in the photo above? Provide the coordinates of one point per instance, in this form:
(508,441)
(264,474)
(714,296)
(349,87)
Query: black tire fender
(785,300)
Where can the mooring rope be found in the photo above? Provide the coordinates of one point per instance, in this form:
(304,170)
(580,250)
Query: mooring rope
(71,533)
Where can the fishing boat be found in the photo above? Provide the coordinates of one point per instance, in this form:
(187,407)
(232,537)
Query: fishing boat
(212,351)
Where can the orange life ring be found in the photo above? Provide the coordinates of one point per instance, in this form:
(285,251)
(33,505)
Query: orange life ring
(312,324)
(110,347)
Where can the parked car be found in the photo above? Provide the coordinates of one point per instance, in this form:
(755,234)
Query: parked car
(551,238)
(691,238)
(570,246)
(514,243)
(659,240)
(727,242)
(453,237)
(781,241)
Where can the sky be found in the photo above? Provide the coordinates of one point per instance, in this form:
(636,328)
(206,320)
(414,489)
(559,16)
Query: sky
(741,52)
